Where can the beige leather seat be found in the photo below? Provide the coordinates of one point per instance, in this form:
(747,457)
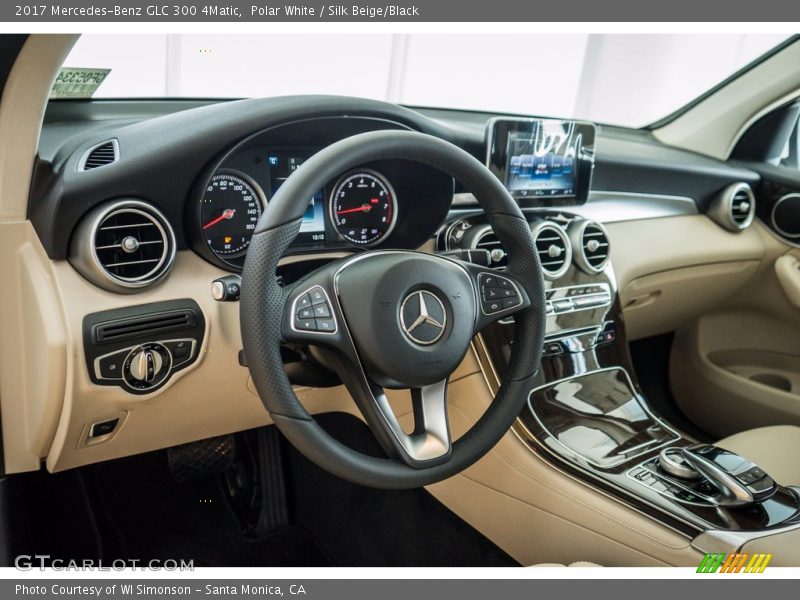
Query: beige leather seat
(775,449)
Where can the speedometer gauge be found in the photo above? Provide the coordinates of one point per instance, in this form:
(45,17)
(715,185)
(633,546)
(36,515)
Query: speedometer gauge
(363,207)
(231,206)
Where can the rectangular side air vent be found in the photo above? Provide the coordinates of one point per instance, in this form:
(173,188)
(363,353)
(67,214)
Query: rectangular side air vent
(152,325)
(100,155)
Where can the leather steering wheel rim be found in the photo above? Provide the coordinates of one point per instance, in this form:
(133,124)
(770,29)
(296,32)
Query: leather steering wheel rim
(263,301)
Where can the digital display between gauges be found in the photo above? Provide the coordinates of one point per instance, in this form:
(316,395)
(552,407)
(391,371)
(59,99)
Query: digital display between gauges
(363,207)
(231,206)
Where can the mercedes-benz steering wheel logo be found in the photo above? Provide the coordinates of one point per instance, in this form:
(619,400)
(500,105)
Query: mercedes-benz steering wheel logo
(423,317)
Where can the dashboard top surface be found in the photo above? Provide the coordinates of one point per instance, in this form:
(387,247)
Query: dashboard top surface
(169,149)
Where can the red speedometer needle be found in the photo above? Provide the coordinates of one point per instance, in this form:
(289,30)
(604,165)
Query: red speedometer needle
(362,208)
(226,214)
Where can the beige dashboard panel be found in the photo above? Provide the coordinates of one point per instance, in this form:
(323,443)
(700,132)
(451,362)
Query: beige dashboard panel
(734,367)
(656,261)
(33,359)
(209,398)
(662,302)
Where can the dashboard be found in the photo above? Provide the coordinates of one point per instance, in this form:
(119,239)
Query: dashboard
(138,210)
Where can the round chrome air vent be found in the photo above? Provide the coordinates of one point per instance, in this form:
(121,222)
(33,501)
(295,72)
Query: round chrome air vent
(481,237)
(786,216)
(592,246)
(123,246)
(734,208)
(553,246)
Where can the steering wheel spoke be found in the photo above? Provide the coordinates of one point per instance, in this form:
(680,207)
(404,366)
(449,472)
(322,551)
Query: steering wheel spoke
(428,443)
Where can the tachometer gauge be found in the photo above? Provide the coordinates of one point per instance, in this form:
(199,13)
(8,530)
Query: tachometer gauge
(363,207)
(231,206)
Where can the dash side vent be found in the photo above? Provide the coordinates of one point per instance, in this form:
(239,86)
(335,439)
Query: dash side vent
(104,153)
(152,325)
(734,208)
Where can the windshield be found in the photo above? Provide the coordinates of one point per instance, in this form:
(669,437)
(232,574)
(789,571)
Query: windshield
(629,80)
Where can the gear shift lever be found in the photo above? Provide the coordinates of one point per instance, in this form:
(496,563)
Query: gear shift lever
(739,481)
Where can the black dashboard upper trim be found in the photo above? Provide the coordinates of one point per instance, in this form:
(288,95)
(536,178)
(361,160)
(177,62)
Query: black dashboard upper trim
(165,145)
(162,157)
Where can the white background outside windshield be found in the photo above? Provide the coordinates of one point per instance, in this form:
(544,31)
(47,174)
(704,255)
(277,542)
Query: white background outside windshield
(622,79)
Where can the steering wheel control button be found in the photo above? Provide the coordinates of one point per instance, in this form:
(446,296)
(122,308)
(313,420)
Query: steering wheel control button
(322,311)
(497,293)
(305,314)
(312,312)
(317,295)
(423,317)
(306,324)
(303,302)
(326,325)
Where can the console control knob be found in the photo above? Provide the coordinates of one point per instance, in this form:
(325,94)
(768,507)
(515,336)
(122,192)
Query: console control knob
(671,461)
(738,481)
(145,365)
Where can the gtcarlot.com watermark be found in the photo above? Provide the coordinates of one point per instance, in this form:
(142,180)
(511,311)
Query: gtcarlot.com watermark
(28,562)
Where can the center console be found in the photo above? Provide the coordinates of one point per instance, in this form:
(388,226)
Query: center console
(586,413)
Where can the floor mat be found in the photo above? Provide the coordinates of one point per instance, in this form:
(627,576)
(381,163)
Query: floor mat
(150,516)
(361,526)
(143,513)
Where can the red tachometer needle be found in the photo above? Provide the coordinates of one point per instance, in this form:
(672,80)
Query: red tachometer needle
(362,208)
(226,214)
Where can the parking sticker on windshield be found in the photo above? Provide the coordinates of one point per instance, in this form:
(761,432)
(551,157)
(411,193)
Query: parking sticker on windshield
(78,83)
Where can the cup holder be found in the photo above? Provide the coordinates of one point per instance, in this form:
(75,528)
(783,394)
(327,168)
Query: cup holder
(773,380)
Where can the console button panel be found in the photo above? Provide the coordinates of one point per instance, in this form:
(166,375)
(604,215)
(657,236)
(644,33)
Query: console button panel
(578,297)
(141,347)
(696,492)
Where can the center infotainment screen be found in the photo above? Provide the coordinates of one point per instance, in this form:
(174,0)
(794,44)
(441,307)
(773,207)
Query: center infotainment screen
(544,161)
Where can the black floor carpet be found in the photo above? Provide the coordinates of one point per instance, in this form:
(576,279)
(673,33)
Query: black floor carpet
(134,509)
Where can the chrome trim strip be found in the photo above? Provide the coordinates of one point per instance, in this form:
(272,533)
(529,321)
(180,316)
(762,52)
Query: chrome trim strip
(613,207)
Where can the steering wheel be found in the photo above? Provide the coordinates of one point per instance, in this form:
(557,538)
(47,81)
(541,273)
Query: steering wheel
(392,319)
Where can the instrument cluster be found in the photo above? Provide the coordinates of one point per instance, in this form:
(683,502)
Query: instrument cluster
(397,204)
